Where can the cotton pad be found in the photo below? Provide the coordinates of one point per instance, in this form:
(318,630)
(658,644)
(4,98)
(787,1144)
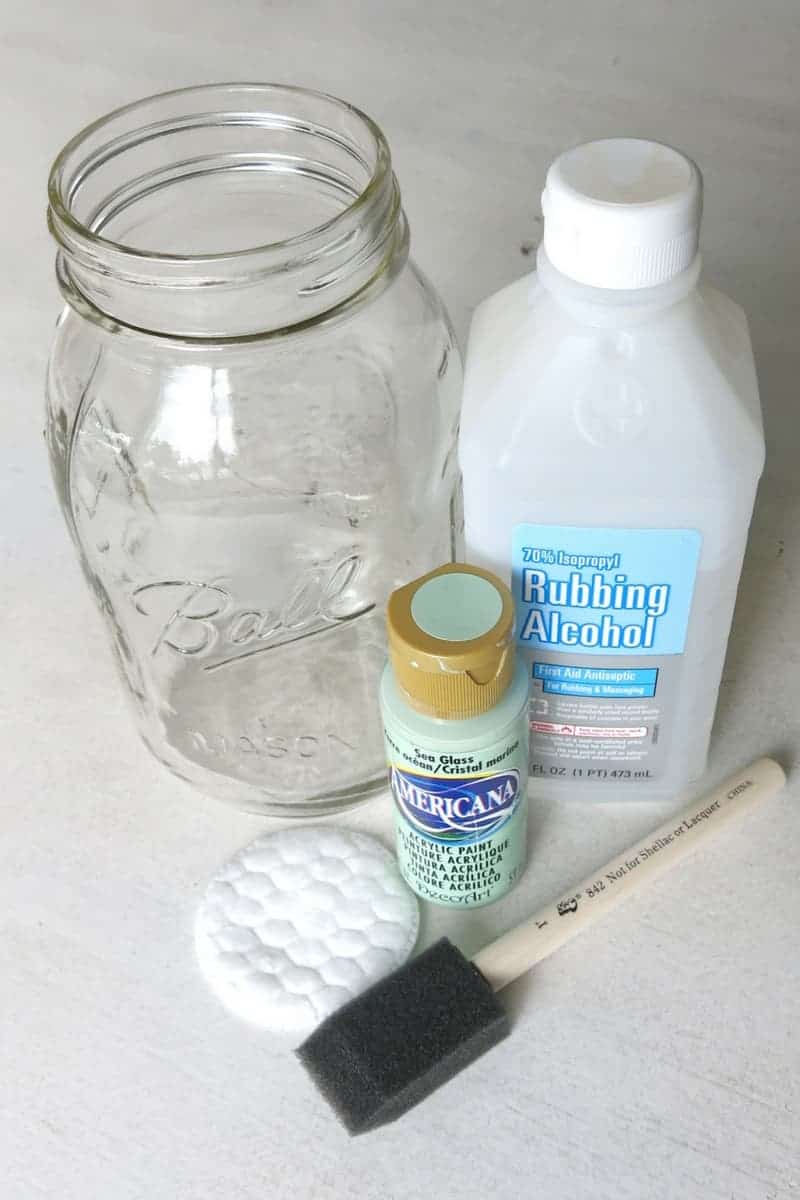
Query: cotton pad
(300,922)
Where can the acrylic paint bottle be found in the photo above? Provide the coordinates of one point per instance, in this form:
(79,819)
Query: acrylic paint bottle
(455,710)
(611,446)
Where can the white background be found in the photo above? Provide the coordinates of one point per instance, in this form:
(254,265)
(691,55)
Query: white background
(658,1056)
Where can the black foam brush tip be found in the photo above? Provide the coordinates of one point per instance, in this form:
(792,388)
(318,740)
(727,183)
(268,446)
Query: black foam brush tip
(395,1043)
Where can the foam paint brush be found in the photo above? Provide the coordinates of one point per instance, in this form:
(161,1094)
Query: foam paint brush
(411,1032)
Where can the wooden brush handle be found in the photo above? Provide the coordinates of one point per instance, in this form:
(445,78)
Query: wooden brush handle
(520,949)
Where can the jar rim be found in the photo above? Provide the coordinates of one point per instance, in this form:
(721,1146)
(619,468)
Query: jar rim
(73,235)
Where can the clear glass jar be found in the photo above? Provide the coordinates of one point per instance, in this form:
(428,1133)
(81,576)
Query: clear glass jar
(252,407)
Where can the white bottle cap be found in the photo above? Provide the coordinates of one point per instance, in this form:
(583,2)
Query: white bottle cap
(622,213)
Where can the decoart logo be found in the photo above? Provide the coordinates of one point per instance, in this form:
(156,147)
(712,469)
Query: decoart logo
(446,811)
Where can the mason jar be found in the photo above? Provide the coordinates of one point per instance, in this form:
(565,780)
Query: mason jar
(252,407)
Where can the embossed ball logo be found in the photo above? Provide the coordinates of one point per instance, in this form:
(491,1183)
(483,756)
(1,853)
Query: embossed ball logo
(445,810)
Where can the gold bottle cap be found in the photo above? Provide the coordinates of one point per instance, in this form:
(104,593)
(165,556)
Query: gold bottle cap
(451,641)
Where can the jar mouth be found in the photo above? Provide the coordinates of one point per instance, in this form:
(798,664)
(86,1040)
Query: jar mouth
(203,192)
(184,110)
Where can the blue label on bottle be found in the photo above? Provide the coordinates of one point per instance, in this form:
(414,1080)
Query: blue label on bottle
(464,811)
(598,682)
(603,591)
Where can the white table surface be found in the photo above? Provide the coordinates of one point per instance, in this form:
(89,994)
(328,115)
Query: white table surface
(659,1055)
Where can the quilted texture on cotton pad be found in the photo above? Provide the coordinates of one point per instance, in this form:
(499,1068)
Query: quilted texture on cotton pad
(301,921)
